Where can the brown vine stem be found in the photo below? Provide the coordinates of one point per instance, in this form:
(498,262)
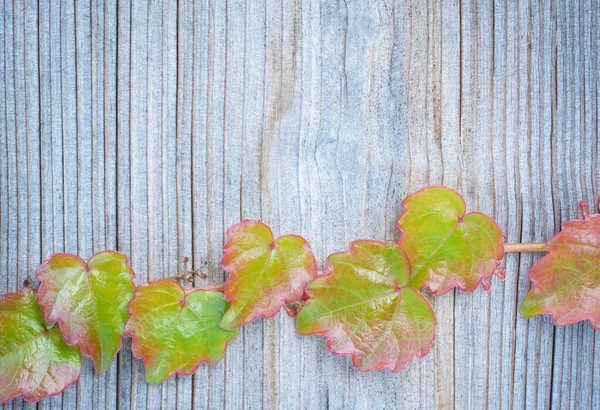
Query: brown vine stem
(509,247)
(525,247)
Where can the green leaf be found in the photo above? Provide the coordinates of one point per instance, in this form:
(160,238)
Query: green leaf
(174,332)
(264,273)
(566,281)
(446,247)
(89,301)
(365,309)
(34,360)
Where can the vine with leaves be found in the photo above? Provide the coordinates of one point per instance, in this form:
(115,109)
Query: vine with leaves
(368,301)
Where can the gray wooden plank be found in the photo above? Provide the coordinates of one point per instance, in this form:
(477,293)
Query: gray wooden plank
(469,356)
(83,151)
(58,220)
(496,383)
(444,347)
(379,53)
(107,17)
(138,134)
(181,390)
(156,241)
(327,114)
(251,336)
(4,169)
(22,59)
(234,138)
(11,158)
(582,139)
(51,141)
(109,78)
(183,166)
(123,182)
(186,231)
(215,156)
(4,173)
(32,121)
(564,343)
(103,392)
(277,78)
(284,189)
(523,178)
(472,311)
(69,139)
(47,160)
(20,145)
(414,164)
(574,342)
(594,128)
(312,388)
(32,124)
(507,207)
(540,219)
(207,158)
(8,208)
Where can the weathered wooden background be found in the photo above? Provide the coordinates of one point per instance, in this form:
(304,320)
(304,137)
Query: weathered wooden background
(150,127)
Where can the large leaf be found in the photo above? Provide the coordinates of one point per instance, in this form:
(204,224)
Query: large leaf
(89,301)
(365,309)
(446,247)
(34,360)
(174,332)
(264,273)
(566,281)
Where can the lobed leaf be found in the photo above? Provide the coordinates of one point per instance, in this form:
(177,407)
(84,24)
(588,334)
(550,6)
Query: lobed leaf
(88,300)
(446,247)
(264,273)
(365,309)
(174,331)
(34,359)
(566,281)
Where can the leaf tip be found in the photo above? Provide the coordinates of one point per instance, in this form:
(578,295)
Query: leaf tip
(527,309)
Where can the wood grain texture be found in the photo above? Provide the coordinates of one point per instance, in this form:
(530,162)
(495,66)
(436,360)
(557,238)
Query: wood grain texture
(151,126)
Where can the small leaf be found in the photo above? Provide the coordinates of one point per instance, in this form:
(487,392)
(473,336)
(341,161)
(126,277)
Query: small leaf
(34,360)
(89,301)
(264,274)
(566,281)
(174,332)
(365,309)
(447,248)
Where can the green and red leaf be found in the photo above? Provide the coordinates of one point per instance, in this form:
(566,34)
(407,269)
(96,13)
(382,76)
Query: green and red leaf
(174,331)
(446,247)
(88,300)
(364,308)
(34,359)
(566,281)
(264,273)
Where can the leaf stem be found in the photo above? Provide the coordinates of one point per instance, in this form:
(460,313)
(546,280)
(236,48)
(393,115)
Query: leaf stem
(215,287)
(525,247)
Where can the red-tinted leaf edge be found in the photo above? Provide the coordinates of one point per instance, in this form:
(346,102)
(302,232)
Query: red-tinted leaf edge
(534,283)
(456,285)
(279,299)
(20,391)
(60,322)
(329,271)
(134,353)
